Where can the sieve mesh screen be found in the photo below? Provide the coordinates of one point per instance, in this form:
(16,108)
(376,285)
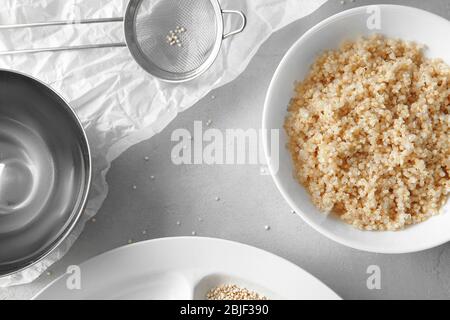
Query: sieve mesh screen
(175,50)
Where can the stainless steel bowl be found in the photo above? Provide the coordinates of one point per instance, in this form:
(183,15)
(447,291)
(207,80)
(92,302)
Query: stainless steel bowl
(45,171)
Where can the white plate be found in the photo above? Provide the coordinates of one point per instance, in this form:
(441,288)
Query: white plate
(396,21)
(187,268)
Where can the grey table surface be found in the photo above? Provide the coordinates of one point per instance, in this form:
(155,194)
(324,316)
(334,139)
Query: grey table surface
(248,200)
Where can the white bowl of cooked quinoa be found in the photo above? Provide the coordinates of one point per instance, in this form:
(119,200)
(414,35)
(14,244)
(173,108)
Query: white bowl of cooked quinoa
(362,105)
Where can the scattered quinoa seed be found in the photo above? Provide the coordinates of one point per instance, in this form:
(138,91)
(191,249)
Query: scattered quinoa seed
(173,37)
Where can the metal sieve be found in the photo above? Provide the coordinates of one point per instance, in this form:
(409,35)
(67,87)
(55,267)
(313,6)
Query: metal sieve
(173,40)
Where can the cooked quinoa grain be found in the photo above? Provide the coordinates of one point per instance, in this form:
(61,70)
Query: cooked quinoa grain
(233,292)
(369,133)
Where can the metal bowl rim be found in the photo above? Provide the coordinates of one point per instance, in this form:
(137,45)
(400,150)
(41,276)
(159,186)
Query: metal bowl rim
(75,217)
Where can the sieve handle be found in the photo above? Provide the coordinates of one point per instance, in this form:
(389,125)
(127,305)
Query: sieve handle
(61,23)
(241,27)
(66,48)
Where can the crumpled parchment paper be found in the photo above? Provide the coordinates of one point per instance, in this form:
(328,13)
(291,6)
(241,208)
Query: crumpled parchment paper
(119,103)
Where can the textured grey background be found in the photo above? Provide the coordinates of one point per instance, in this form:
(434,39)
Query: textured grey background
(249,201)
